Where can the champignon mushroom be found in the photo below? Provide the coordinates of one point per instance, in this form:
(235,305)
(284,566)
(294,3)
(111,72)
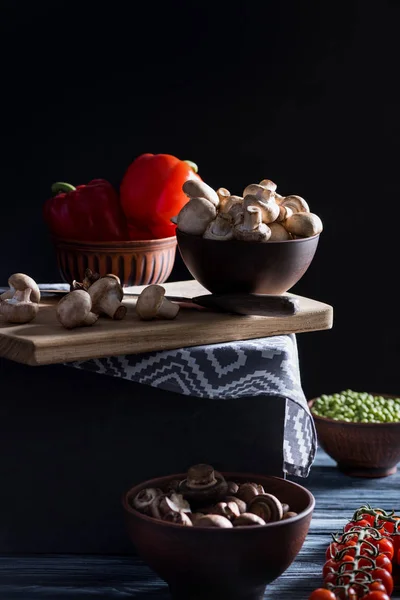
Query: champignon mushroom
(19,285)
(278,233)
(230,510)
(269,208)
(248,520)
(213,521)
(223,195)
(252,229)
(241,504)
(268,185)
(198,189)
(179,518)
(89,278)
(152,303)
(233,210)
(260,192)
(20,304)
(75,310)
(303,224)
(289,515)
(144,499)
(284,213)
(266,506)
(106,294)
(247,491)
(203,485)
(195,216)
(295,203)
(219,229)
(175,503)
(232,487)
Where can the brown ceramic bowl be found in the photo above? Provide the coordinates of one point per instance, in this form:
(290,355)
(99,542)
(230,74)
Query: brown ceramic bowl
(249,267)
(211,564)
(135,262)
(360,449)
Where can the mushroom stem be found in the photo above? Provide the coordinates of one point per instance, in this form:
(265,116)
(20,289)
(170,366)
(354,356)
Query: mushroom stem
(90,319)
(168,309)
(21,296)
(252,217)
(111,306)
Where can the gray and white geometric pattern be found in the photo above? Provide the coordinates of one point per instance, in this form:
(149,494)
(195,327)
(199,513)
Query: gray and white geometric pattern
(267,366)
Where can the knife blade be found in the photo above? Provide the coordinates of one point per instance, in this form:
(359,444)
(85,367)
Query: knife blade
(263,305)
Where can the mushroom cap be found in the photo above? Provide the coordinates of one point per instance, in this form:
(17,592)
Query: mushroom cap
(195,215)
(149,302)
(304,224)
(103,286)
(278,232)
(199,189)
(21,282)
(219,229)
(73,308)
(18,312)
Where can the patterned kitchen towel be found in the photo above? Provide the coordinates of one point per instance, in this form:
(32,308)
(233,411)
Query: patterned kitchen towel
(261,367)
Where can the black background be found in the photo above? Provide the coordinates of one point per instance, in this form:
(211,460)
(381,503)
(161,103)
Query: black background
(301,92)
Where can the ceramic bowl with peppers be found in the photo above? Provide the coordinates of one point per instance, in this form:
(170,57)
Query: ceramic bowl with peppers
(127,233)
(259,242)
(192,528)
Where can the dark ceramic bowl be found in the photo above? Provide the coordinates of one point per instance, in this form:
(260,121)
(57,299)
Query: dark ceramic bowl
(211,564)
(360,449)
(139,262)
(249,267)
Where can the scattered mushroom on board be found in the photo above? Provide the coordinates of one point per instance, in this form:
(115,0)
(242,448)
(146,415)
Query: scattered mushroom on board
(75,310)
(202,215)
(106,294)
(20,304)
(152,304)
(205,499)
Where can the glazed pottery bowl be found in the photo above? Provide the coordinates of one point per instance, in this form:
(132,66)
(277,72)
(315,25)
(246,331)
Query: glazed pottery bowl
(211,563)
(139,262)
(249,267)
(360,449)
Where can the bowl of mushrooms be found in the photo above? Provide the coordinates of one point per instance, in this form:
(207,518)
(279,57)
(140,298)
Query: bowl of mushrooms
(218,535)
(260,242)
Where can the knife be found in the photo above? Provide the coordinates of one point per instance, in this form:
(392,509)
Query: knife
(262,305)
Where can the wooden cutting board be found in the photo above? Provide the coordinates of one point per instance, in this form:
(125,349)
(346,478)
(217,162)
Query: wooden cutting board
(44,341)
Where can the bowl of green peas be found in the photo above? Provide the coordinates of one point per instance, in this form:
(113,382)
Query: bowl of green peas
(360,431)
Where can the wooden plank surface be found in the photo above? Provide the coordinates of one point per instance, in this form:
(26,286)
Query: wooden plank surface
(45,341)
(98,577)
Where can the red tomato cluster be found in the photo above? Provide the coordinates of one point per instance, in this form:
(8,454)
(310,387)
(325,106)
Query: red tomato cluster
(359,561)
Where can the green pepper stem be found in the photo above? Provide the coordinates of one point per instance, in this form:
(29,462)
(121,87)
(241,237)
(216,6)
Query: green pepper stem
(61,186)
(192,165)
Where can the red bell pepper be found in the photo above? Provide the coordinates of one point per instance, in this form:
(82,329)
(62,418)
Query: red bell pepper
(151,193)
(89,212)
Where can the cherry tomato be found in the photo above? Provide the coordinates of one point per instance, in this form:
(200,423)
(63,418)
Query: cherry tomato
(362,523)
(376,595)
(382,561)
(385,546)
(331,578)
(330,564)
(347,558)
(385,577)
(369,518)
(350,594)
(377,586)
(331,550)
(323,594)
(395,537)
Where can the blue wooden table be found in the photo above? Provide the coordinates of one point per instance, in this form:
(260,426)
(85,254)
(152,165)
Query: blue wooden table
(113,577)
